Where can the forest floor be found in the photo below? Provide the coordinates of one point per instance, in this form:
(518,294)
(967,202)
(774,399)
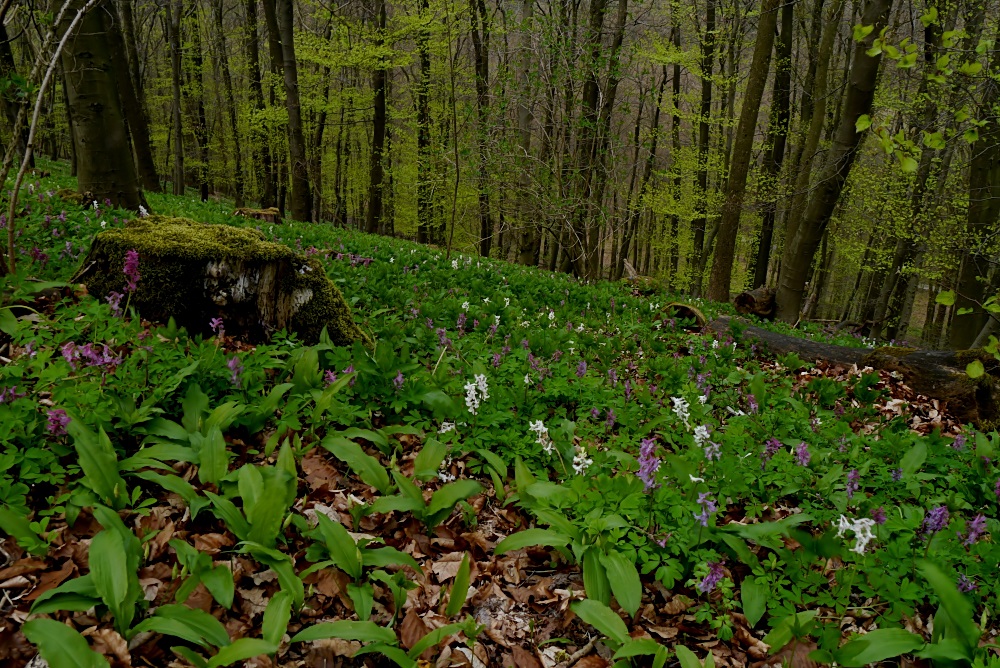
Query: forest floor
(523,471)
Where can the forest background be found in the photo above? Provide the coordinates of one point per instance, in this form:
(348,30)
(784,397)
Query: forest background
(843,152)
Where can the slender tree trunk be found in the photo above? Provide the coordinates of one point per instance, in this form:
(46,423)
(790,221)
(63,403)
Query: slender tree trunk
(698,225)
(426,223)
(105,167)
(801,246)
(195,93)
(174,9)
(130,90)
(376,173)
(983,216)
(8,69)
(227,81)
(481,29)
(263,166)
(778,126)
(675,146)
(301,206)
(528,238)
(729,226)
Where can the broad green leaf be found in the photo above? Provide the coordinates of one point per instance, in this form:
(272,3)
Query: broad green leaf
(907,164)
(531,538)
(219,583)
(975,369)
(14,524)
(213,456)
(283,567)
(241,650)
(343,550)
(639,647)
(109,566)
(347,630)
(267,515)
(914,458)
(687,658)
(73,595)
(444,500)
(194,625)
(863,123)
(222,416)
(362,595)
(380,557)
(99,463)
(434,638)
(754,596)
(624,579)
(226,511)
(595,576)
(428,461)
(364,465)
(602,618)
(190,655)
(178,486)
(877,645)
(945,298)
(276,617)
(955,603)
(394,654)
(61,646)
(8,322)
(862,31)
(460,589)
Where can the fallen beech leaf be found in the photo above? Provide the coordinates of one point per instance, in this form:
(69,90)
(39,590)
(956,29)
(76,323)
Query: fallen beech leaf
(211,543)
(447,566)
(412,630)
(52,579)
(592,661)
(525,659)
(21,567)
(109,643)
(677,605)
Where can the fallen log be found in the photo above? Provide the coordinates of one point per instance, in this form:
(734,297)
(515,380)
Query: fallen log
(758,302)
(196,272)
(937,374)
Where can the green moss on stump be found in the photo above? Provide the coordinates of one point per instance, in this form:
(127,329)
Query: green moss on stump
(195,272)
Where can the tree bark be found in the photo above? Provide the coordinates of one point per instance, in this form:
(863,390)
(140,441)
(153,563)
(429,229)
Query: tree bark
(426,224)
(227,81)
(174,9)
(105,168)
(481,29)
(376,173)
(704,129)
(130,89)
(729,225)
(801,246)
(262,156)
(778,126)
(301,207)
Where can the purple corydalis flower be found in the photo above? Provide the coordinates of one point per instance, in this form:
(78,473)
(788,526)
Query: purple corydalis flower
(959,442)
(628,390)
(715,575)
(965,585)
(114,300)
(649,463)
(496,360)
(581,371)
(707,508)
(57,422)
(935,520)
(398,381)
(613,377)
(525,344)
(996,489)
(752,403)
(557,355)
(609,422)
(131,270)
(975,529)
(802,454)
(771,448)
(216,324)
(329,378)
(595,413)
(235,371)
(853,484)
(879,515)
(897,474)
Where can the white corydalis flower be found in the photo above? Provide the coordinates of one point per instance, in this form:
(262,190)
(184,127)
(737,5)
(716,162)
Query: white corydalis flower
(446,427)
(580,461)
(862,529)
(542,435)
(476,392)
(681,407)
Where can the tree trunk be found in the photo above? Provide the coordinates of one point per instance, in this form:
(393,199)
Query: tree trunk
(376,173)
(801,246)
(263,166)
(704,128)
(777,128)
(426,223)
(675,146)
(301,207)
(729,225)
(195,93)
(481,29)
(527,240)
(104,159)
(227,81)
(8,70)
(130,88)
(174,9)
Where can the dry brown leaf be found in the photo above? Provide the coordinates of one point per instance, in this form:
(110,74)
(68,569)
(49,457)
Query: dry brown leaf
(677,605)
(52,579)
(211,543)
(592,661)
(525,659)
(109,643)
(795,655)
(412,630)
(446,567)
(22,567)
(319,473)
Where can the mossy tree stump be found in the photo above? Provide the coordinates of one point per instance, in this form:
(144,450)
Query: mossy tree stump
(195,272)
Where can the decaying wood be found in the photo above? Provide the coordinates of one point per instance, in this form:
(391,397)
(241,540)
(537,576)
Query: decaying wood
(759,302)
(270,215)
(937,374)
